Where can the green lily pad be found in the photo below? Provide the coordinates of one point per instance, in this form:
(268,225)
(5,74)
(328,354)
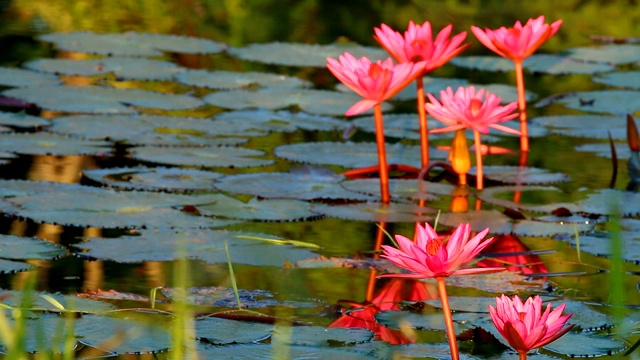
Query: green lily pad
(610,201)
(23,248)
(225,297)
(94,99)
(296,54)
(14,298)
(10,267)
(586,126)
(594,345)
(497,283)
(377,212)
(268,351)
(221,79)
(260,210)
(22,120)
(612,54)
(599,244)
(492,196)
(20,78)
(44,331)
(604,149)
(401,188)
(146,130)
(431,85)
(221,156)
(395,319)
(321,102)
(319,336)
(138,332)
(521,175)
(618,102)
(51,144)
(121,67)
(537,63)
(352,155)
(218,331)
(131,43)
(627,79)
(259,122)
(288,185)
(207,245)
(154,179)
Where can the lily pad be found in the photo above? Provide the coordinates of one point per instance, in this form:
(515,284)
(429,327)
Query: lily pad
(221,156)
(537,63)
(586,126)
(260,210)
(604,149)
(296,54)
(401,188)
(146,130)
(121,67)
(10,267)
(492,195)
(225,297)
(22,120)
(521,175)
(259,122)
(22,248)
(612,54)
(218,331)
(618,102)
(599,244)
(627,79)
(288,185)
(154,179)
(594,345)
(207,245)
(131,44)
(319,336)
(137,332)
(268,351)
(221,79)
(376,212)
(497,283)
(44,331)
(431,85)
(395,319)
(51,144)
(20,78)
(352,155)
(321,102)
(14,298)
(610,201)
(94,99)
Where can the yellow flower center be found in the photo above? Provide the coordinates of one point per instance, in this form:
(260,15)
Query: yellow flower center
(433,245)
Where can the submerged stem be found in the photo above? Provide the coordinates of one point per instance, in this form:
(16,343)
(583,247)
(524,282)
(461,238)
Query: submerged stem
(448,320)
(382,154)
(522,107)
(422,118)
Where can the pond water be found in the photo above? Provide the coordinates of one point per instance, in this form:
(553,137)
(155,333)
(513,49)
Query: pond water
(178,184)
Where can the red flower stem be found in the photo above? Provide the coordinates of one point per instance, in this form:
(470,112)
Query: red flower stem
(382,154)
(522,107)
(422,118)
(448,320)
(479,171)
(522,355)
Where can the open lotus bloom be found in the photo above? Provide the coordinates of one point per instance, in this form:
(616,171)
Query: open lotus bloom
(430,257)
(525,326)
(467,108)
(374,81)
(517,42)
(418,44)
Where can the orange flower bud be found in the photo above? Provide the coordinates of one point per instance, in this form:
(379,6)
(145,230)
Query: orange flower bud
(459,156)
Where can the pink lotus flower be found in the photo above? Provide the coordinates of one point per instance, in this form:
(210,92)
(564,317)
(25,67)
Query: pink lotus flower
(525,326)
(430,257)
(466,109)
(518,42)
(375,82)
(418,44)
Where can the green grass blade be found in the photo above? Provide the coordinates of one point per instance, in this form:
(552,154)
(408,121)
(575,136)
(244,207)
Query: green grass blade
(232,276)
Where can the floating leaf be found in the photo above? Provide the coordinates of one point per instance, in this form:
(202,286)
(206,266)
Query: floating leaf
(44,331)
(401,188)
(610,201)
(221,156)
(94,99)
(288,185)
(268,351)
(10,267)
(154,179)
(120,67)
(352,155)
(587,126)
(521,175)
(591,345)
(376,212)
(225,297)
(599,244)
(23,248)
(131,43)
(537,63)
(322,336)
(604,150)
(248,122)
(395,319)
(22,120)
(260,210)
(207,245)
(20,77)
(627,79)
(619,102)
(221,79)
(51,144)
(218,331)
(492,195)
(612,54)
(146,130)
(296,54)
(483,63)
(321,102)
(129,333)
(498,283)
(14,298)
(431,85)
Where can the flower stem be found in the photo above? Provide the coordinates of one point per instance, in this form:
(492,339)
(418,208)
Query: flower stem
(422,118)
(479,171)
(522,355)
(448,320)
(382,154)
(522,107)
